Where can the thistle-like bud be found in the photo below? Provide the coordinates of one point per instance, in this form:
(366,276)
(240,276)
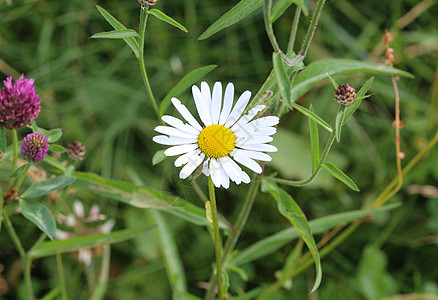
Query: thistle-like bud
(76,151)
(34,147)
(345,94)
(148,2)
(19,103)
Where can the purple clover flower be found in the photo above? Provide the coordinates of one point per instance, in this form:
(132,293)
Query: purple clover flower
(34,147)
(19,103)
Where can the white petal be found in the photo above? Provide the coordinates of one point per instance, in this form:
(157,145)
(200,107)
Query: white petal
(231,168)
(205,167)
(245,140)
(251,132)
(263,122)
(247,162)
(248,117)
(260,147)
(228,103)
(253,154)
(206,96)
(173,140)
(200,103)
(238,109)
(78,208)
(107,226)
(174,132)
(224,179)
(177,150)
(185,113)
(94,211)
(216,102)
(185,158)
(177,123)
(215,172)
(245,177)
(192,164)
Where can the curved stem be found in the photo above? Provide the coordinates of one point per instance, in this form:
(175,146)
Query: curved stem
(312,27)
(217,238)
(268,25)
(143,22)
(293,31)
(15,155)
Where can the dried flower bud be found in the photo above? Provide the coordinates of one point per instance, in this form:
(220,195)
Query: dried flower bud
(387,37)
(19,103)
(345,94)
(34,147)
(76,151)
(148,2)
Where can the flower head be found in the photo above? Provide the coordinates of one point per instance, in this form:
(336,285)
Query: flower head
(34,147)
(345,94)
(19,103)
(227,136)
(76,151)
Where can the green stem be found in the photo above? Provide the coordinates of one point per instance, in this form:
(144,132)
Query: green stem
(326,151)
(312,27)
(217,237)
(22,176)
(24,260)
(102,285)
(61,276)
(143,21)
(293,31)
(268,25)
(2,199)
(15,155)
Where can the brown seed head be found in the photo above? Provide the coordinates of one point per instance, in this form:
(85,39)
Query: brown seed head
(345,94)
(76,151)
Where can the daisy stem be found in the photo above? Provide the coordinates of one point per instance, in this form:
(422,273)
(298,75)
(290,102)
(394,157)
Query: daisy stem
(217,237)
(24,259)
(143,21)
(268,25)
(15,155)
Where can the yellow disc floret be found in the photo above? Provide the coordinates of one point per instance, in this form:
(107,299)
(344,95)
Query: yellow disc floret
(216,141)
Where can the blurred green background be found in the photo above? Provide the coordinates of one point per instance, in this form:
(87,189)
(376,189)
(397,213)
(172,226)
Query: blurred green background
(94,91)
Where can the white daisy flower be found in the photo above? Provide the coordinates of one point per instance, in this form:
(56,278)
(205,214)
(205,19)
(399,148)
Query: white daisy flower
(227,136)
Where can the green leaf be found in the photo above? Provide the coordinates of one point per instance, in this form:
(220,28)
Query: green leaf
(317,71)
(44,187)
(158,157)
(310,114)
(40,215)
(53,293)
(276,241)
(314,141)
(18,171)
(115,34)
(2,139)
(163,17)
(142,197)
(290,209)
(338,126)
(333,81)
(186,82)
(282,77)
(234,15)
(51,248)
(281,6)
(54,135)
(34,125)
(341,176)
(57,148)
(360,95)
(131,41)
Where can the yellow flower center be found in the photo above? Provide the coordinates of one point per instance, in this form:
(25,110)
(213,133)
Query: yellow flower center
(216,141)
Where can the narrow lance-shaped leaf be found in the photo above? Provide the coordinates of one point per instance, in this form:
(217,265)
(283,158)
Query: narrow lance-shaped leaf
(234,15)
(40,215)
(360,95)
(54,135)
(290,209)
(186,82)
(115,34)
(158,157)
(44,187)
(341,176)
(314,141)
(131,41)
(282,77)
(51,248)
(312,115)
(163,17)
(19,170)
(338,124)
(57,148)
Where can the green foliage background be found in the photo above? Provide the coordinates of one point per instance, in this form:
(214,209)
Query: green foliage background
(94,91)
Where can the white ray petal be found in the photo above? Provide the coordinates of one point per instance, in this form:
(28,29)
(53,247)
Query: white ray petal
(216,102)
(245,177)
(205,167)
(185,113)
(238,109)
(206,96)
(174,132)
(253,132)
(231,168)
(253,154)
(177,123)
(228,103)
(224,178)
(203,112)
(177,150)
(193,162)
(248,117)
(173,140)
(247,162)
(185,158)
(246,140)
(215,172)
(262,122)
(260,147)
